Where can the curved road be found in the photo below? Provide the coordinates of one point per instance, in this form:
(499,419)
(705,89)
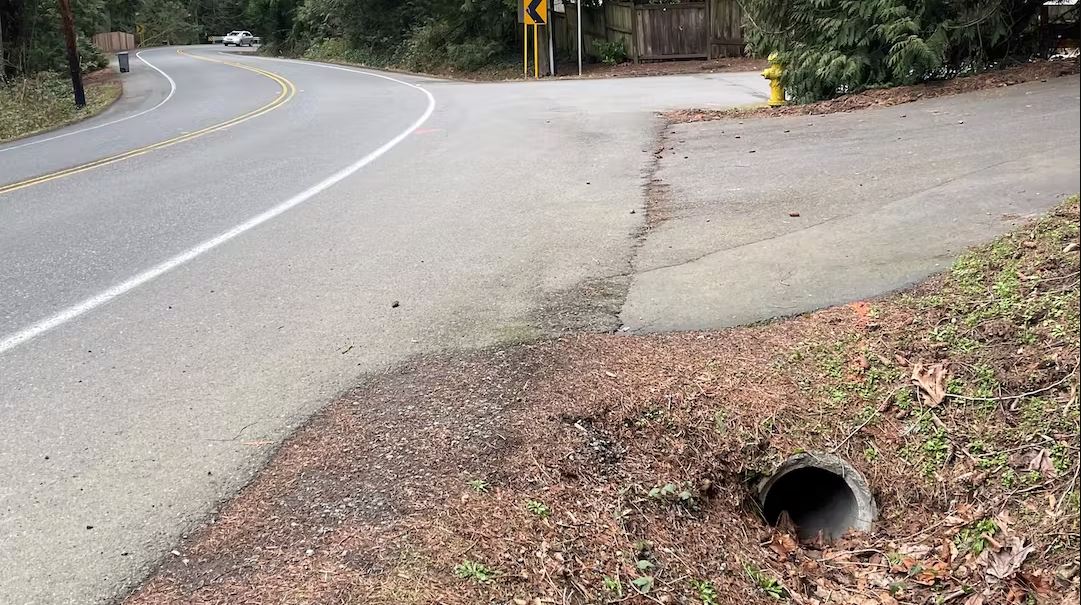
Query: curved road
(186,277)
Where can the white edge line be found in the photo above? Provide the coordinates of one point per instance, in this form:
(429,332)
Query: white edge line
(139,55)
(89,304)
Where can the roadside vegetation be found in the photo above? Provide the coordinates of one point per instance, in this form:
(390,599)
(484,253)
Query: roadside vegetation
(829,47)
(608,468)
(884,97)
(834,47)
(43,101)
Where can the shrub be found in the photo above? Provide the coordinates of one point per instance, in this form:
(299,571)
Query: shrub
(426,47)
(90,57)
(611,53)
(832,47)
(337,50)
(472,54)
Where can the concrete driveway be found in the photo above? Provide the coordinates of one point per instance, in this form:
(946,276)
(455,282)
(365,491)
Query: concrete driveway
(885,197)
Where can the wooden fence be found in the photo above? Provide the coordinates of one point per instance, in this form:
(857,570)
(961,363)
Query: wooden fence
(726,28)
(671,31)
(111,42)
(653,32)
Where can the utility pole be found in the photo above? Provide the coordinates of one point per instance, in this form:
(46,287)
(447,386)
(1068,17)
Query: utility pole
(73,53)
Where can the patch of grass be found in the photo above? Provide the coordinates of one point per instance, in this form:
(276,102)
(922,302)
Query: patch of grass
(475,572)
(44,101)
(1059,457)
(479,485)
(936,448)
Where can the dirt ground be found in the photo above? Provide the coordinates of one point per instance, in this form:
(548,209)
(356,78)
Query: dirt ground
(884,97)
(569,69)
(665,68)
(606,468)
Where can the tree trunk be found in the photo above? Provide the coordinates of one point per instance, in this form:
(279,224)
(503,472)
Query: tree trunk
(73,53)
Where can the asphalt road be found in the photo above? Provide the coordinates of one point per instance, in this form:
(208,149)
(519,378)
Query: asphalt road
(187,277)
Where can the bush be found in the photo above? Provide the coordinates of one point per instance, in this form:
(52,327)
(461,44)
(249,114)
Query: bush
(473,54)
(832,47)
(611,53)
(330,50)
(337,50)
(427,47)
(90,57)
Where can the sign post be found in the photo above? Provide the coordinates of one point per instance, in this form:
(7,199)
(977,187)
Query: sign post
(535,13)
(578,9)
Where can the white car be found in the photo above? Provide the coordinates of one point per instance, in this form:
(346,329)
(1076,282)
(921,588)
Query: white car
(238,38)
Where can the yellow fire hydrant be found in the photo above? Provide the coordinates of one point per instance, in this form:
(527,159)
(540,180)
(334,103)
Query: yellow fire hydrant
(773,74)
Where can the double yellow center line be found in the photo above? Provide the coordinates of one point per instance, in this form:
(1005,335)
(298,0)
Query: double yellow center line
(288,90)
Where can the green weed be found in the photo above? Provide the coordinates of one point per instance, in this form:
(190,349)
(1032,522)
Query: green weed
(975,537)
(767,583)
(538,508)
(705,591)
(670,492)
(936,449)
(613,585)
(643,584)
(474,572)
(479,485)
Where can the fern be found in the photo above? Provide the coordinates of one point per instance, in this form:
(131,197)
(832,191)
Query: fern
(829,47)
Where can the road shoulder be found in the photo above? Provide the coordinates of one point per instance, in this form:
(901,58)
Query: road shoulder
(610,467)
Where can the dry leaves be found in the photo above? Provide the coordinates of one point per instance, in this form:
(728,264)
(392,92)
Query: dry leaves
(1003,564)
(1042,463)
(931,379)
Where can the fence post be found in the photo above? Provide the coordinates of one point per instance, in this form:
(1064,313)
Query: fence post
(709,29)
(635,51)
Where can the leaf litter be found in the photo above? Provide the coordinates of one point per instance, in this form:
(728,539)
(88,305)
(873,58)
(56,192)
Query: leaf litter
(958,401)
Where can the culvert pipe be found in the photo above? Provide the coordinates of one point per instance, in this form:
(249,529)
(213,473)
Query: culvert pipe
(821,493)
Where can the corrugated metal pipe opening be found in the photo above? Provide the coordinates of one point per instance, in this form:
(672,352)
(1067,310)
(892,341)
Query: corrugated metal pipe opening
(821,494)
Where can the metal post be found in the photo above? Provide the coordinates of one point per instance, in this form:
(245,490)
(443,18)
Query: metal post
(525,50)
(551,39)
(578,8)
(68,23)
(536,51)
